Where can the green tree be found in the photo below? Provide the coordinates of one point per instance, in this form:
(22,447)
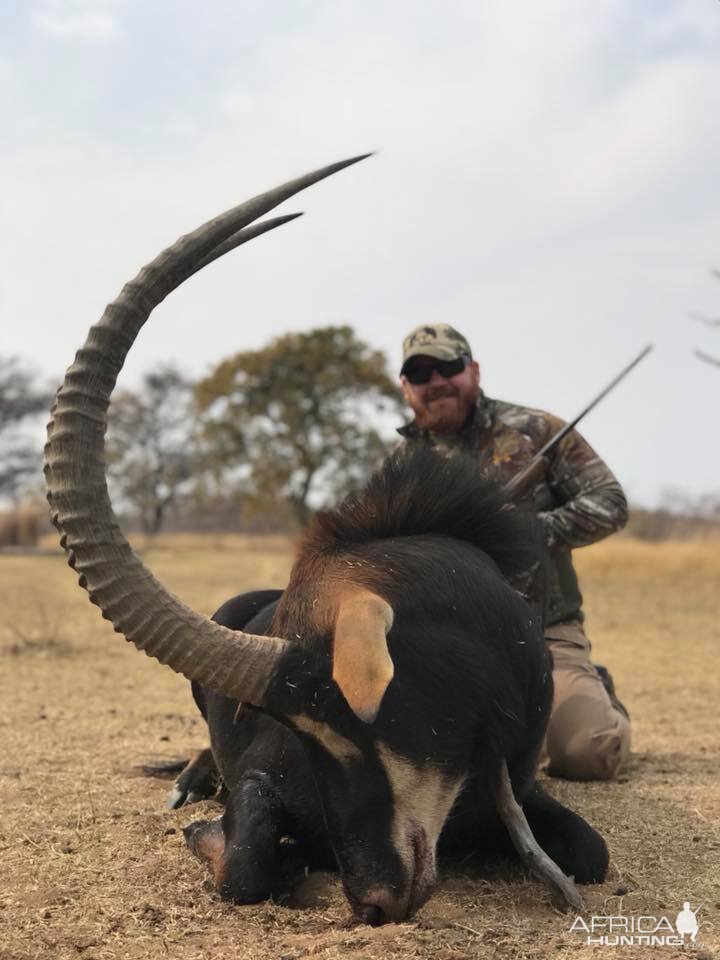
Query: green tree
(302,416)
(150,445)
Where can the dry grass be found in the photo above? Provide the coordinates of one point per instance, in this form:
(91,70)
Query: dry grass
(94,867)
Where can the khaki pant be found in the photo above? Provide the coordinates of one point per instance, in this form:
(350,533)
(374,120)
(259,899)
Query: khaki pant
(588,737)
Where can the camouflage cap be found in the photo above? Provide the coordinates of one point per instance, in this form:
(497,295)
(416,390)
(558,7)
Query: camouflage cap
(438,340)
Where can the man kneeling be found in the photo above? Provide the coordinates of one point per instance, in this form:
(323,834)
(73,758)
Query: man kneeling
(579,502)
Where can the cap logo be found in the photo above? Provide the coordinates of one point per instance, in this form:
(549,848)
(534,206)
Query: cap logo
(420,336)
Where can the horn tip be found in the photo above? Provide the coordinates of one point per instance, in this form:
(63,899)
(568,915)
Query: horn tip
(362,156)
(356,159)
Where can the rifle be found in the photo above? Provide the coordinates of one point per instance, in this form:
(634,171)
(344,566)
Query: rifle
(529,475)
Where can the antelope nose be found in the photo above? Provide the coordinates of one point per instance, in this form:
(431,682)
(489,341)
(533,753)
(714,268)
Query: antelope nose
(385,905)
(372,915)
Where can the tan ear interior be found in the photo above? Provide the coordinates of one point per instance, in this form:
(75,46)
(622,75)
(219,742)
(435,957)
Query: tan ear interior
(362,666)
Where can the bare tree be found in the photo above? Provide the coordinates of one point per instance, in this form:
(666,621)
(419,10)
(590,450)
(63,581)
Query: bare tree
(707,357)
(150,446)
(21,399)
(708,322)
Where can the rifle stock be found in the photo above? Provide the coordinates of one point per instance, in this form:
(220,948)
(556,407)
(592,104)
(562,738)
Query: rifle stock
(522,482)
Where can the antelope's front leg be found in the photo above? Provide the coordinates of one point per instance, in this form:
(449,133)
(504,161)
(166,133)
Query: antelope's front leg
(241,848)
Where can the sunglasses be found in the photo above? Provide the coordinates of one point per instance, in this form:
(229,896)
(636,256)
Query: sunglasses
(422,372)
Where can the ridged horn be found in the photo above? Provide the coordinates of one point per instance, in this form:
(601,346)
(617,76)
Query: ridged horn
(238,664)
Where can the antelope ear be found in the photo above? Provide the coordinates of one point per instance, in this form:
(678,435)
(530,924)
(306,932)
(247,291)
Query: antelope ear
(362,667)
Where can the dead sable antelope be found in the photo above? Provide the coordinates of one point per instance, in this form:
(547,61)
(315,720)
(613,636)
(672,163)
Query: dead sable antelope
(394,695)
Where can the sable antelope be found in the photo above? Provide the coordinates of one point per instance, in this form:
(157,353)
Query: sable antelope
(398,689)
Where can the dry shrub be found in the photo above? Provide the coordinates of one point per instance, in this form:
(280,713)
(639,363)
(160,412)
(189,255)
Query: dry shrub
(19,527)
(36,630)
(666,525)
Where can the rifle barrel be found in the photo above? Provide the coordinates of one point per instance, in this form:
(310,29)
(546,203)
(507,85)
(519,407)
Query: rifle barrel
(603,393)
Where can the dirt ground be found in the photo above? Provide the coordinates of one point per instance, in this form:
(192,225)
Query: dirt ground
(94,866)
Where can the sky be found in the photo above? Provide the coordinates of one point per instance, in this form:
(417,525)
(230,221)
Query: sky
(545,179)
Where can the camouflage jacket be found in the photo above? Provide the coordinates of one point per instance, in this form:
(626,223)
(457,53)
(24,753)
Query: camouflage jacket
(579,501)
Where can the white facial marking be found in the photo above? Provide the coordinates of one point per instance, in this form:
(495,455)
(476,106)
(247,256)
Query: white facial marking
(340,747)
(423,797)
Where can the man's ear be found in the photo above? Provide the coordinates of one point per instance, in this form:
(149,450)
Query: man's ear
(406,388)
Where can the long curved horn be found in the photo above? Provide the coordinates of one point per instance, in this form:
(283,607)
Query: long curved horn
(238,664)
